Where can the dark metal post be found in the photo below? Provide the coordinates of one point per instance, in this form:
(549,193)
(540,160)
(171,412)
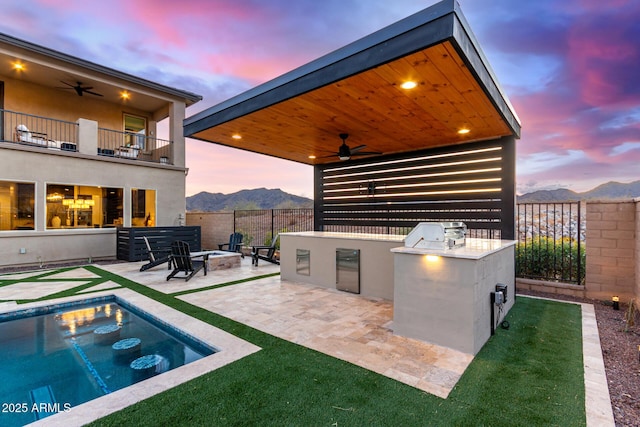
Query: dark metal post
(508,188)
(318,199)
(272,228)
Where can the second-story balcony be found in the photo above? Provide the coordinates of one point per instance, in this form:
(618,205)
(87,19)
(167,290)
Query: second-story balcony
(83,136)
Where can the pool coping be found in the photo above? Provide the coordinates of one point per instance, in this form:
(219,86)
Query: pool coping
(230,348)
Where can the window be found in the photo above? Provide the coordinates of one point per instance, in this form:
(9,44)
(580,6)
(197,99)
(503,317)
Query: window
(136,131)
(143,208)
(79,206)
(16,206)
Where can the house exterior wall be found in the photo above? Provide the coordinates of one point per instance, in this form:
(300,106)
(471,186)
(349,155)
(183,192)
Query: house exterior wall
(612,254)
(34,165)
(82,143)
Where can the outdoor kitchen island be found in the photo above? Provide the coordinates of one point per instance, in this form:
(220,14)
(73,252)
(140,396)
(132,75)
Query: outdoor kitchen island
(363,262)
(446,296)
(442,296)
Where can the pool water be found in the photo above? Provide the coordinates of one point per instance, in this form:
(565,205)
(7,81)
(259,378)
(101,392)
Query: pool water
(75,353)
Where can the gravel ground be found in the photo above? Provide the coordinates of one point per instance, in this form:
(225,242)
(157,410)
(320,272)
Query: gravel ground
(620,345)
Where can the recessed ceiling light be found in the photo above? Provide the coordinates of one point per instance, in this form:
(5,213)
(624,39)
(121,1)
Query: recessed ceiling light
(463,131)
(408,85)
(312,156)
(125,95)
(236,136)
(19,66)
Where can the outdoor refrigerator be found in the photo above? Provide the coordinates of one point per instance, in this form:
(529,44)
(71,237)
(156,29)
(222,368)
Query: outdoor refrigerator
(348,270)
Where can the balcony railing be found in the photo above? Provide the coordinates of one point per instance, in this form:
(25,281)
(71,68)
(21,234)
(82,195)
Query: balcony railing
(37,131)
(31,130)
(130,145)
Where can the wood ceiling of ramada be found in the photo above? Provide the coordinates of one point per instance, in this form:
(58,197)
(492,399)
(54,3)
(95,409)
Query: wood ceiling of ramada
(372,108)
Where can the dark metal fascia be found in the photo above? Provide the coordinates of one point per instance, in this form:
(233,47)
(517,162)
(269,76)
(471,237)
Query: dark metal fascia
(470,51)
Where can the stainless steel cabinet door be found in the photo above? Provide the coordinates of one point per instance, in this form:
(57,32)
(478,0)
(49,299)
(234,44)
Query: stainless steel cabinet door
(348,270)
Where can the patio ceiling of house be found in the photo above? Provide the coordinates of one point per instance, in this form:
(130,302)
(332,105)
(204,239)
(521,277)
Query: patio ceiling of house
(357,90)
(49,68)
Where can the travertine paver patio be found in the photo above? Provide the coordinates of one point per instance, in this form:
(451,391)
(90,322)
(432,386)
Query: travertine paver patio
(155,278)
(349,327)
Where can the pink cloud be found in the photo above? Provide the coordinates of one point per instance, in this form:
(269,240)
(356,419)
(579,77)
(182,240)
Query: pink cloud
(603,56)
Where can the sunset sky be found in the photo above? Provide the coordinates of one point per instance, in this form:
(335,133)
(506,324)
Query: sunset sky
(570,68)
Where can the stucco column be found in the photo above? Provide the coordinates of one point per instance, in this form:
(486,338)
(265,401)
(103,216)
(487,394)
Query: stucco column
(87,136)
(176,119)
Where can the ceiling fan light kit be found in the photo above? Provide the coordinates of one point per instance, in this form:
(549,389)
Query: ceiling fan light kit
(345,152)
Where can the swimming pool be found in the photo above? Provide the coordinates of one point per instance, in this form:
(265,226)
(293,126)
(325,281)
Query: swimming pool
(56,357)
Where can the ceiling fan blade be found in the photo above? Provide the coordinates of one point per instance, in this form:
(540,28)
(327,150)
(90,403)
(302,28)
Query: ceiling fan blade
(358,148)
(93,93)
(365,153)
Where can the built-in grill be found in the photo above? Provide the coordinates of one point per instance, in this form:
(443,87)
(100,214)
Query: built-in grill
(437,235)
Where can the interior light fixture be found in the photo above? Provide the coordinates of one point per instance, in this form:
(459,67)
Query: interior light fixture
(236,136)
(78,203)
(409,84)
(312,156)
(125,95)
(464,131)
(18,66)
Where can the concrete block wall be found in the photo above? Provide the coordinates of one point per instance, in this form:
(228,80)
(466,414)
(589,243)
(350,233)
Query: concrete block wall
(612,253)
(215,227)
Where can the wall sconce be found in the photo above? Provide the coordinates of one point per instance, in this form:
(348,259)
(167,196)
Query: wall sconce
(616,302)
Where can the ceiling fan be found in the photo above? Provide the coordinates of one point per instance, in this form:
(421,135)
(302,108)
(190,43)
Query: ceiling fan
(345,152)
(80,90)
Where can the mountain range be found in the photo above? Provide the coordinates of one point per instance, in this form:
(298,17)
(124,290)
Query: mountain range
(608,191)
(263,198)
(258,198)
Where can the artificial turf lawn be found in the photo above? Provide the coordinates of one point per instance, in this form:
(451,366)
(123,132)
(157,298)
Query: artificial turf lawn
(529,375)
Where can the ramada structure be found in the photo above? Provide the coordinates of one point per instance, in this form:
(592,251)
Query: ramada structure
(405,125)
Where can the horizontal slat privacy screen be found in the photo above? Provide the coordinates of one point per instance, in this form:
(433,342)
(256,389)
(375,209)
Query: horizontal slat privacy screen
(472,183)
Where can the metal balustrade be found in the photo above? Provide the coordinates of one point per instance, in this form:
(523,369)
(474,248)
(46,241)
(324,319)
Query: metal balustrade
(37,131)
(551,236)
(551,242)
(128,145)
(260,225)
(53,134)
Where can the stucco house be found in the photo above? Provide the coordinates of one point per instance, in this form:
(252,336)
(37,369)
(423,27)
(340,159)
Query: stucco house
(80,155)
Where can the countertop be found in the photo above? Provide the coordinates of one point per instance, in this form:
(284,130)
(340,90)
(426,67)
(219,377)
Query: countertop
(348,236)
(473,249)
